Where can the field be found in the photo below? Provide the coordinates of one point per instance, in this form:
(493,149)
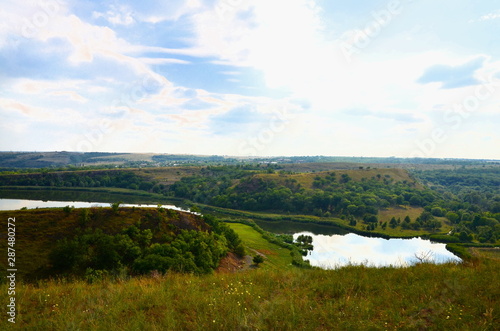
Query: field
(444,297)
(276,257)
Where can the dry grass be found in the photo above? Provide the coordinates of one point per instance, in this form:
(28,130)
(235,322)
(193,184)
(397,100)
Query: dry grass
(306,179)
(423,297)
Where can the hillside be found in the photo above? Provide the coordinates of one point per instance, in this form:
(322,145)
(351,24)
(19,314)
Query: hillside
(386,201)
(57,241)
(306,179)
(422,297)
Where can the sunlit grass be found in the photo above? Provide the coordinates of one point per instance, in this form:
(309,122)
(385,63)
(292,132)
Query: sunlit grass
(425,296)
(276,257)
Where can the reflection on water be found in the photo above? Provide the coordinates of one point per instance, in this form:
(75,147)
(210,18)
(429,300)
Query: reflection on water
(287,227)
(87,196)
(16,204)
(331,251)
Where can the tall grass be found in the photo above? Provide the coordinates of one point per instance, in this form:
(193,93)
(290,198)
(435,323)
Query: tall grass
(425,296)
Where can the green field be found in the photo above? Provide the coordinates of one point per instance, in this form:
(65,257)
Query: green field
(276,257)
(423,297)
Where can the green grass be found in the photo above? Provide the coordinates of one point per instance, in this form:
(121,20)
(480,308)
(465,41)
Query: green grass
(423,297)
(276,257)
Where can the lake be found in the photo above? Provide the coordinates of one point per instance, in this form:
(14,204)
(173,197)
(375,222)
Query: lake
(335,247)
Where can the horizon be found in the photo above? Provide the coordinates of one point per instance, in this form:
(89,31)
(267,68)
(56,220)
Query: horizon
(258,79)
(271,156)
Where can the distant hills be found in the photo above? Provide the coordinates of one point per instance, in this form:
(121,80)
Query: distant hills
(13,160)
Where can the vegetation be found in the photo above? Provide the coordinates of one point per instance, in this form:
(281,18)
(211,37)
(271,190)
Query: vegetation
(131,241)
(421,297)
(384,201)
(469,199)
(153,268)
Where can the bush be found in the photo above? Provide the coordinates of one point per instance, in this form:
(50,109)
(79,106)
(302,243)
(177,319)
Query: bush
(240,250)
(258,259)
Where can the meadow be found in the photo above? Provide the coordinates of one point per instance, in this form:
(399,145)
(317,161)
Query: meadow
(425,296)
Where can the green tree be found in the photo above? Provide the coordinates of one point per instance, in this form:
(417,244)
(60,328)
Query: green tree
(452,216)
(258,259)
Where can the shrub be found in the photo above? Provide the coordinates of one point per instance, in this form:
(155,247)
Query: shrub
(258,259)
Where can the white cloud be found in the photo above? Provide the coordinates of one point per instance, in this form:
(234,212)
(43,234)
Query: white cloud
(117,15)
(39,114)
(490,16)
(161,61)
(71,95)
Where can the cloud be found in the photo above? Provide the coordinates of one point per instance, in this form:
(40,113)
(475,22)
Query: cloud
(117,15)
(161,61)
(407,117)
(38,114)
(453,76)
(490,16)
(71,95)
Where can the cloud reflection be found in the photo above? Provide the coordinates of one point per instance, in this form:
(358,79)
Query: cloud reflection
(331,251)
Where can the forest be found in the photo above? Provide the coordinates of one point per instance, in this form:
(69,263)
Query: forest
(466,198)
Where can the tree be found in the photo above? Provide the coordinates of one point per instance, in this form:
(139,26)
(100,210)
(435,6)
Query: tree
(115,207)
(393,223)
(452,216)
(416,200)
(84,218)
(426,216)
(437,211)
(258,259)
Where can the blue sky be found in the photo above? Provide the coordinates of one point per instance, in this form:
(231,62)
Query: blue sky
(252,78)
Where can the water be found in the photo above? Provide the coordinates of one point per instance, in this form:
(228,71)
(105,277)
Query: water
(335,247)
(16,204)
(331,251)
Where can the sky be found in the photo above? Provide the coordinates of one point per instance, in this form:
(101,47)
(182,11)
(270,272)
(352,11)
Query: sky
(412,78)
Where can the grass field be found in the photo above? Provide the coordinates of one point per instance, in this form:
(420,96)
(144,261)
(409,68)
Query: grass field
(276,257)
(423,297)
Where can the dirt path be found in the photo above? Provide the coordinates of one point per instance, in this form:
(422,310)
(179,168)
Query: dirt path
(233,263)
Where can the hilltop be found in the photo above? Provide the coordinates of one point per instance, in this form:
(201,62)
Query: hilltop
(69,241)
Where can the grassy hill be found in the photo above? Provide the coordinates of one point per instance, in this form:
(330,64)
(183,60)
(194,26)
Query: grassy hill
(38,231)
(422,297)
(306,179)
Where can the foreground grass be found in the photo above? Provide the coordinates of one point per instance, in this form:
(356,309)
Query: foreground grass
(437,297)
